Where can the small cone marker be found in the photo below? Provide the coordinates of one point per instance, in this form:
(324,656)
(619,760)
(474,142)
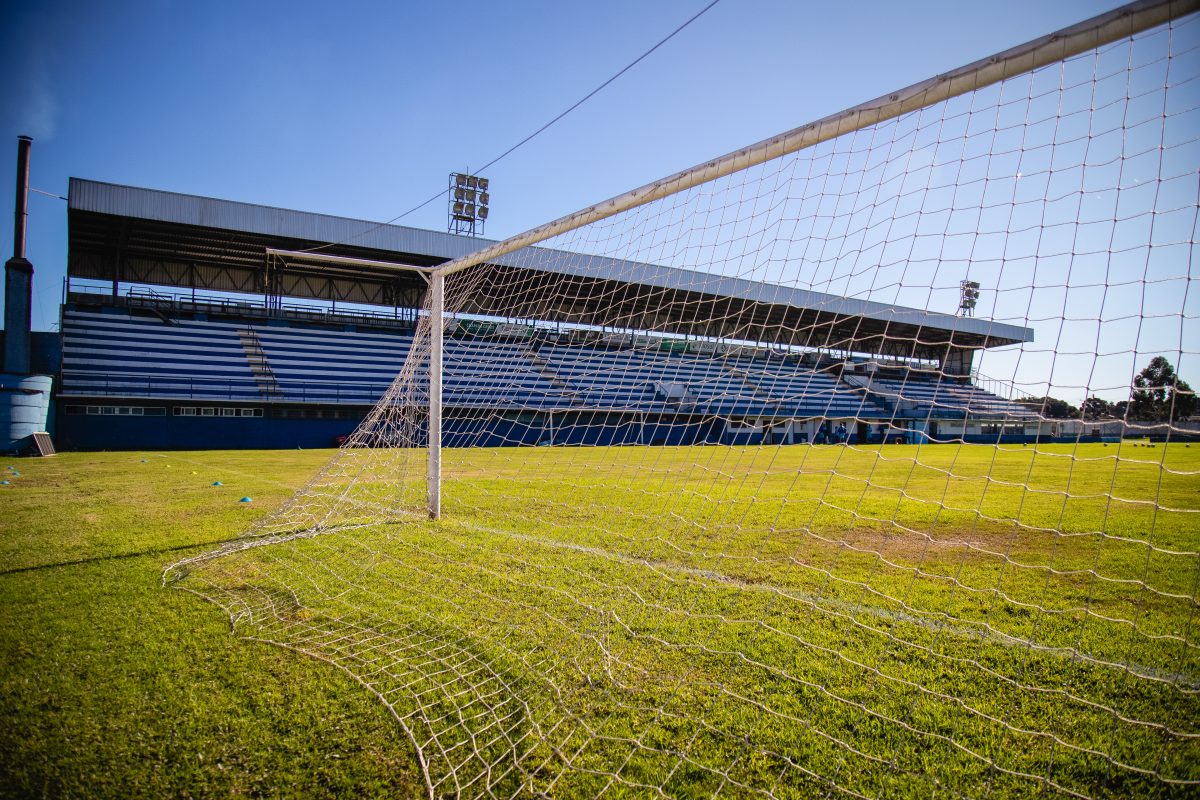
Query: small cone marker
(246,500)
(217,483)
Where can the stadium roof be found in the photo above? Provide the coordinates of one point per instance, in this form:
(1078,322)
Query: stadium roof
(133,235)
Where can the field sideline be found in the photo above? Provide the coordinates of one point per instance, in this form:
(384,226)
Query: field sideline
(115,687)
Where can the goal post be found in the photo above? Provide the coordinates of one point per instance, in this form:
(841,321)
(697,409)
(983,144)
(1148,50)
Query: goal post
(859,462)
(1123,22)
(437,298)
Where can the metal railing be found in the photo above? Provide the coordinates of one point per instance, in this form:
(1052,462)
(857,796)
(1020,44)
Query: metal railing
(180,387)
(145,297)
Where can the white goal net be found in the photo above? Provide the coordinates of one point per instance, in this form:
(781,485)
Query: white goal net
(862,462)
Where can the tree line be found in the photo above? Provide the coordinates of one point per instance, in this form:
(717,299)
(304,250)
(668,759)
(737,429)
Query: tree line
(1158,395)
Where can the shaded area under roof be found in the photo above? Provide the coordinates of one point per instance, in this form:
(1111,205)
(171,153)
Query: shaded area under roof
(132,235)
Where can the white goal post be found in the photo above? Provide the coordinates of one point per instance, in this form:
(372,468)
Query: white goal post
(859,462)
(1120,23)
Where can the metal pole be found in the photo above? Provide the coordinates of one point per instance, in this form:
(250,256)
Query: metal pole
(22,203)
(18,275)
(437,291)
(1087,35)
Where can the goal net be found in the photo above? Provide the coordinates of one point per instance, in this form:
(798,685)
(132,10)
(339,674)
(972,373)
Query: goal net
(854,463)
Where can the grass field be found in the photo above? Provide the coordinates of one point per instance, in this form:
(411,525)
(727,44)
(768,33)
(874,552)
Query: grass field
(794,621)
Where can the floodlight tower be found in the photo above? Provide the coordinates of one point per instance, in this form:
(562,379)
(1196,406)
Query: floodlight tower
(468,209)
(968,297)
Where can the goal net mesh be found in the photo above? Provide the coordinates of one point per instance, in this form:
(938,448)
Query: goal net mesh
(771,529)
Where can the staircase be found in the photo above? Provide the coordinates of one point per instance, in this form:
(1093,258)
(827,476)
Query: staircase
(547,372)
(863,384)
(1001,388)
(256,357)
(754,388)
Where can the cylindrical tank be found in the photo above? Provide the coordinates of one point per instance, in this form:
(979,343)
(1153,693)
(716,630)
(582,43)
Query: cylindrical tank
(24,404)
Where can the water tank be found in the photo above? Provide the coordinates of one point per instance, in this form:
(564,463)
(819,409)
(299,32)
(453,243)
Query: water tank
(24,405)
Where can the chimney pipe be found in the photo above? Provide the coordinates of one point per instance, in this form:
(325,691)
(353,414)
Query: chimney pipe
(18,276)
(22,204)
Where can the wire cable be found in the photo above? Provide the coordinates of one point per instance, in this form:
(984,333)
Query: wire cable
(537,132)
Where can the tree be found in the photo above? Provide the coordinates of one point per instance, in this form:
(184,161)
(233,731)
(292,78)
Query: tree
(1096,408)
(1051,407)
(1160,395)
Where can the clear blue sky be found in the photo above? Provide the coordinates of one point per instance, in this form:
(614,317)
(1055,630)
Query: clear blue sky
(361,109)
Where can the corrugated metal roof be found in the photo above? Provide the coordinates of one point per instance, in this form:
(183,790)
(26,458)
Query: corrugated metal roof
(207,212)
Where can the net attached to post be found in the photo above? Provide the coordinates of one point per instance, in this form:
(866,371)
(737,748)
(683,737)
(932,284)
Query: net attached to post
(738,500)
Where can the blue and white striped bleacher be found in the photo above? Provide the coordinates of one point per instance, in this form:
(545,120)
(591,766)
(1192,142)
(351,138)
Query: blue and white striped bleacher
(936,397)
(313,365)
(479,373)
(801,391)
(119,355)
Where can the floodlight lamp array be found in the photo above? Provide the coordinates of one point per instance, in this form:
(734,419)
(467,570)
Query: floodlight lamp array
(469,201)
(968,297)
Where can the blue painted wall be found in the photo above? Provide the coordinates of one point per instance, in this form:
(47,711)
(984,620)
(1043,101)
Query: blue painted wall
(459,429)
(85,432)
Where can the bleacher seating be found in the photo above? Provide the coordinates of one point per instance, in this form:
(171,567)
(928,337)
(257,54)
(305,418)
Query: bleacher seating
(632,380)
(480,373)
(123,355)
(931,395)
(800,390)
(141,354)
(316,365)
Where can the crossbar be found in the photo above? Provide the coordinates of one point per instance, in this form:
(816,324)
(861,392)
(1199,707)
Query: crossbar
(1080,38)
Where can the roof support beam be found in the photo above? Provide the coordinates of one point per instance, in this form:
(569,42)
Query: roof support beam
(323,258)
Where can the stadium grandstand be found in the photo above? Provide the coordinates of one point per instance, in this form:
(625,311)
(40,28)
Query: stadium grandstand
(194,322)
(638,502)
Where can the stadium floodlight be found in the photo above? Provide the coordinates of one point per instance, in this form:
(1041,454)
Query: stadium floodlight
(469,200)
(968,297)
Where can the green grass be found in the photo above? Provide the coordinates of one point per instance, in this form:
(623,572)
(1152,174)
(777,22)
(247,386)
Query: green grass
(895,622)
(113,687)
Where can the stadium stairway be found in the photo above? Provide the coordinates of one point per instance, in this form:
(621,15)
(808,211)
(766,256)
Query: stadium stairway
(256,357)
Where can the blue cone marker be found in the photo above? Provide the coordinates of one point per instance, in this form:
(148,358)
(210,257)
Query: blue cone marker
(245,500)
(217,483)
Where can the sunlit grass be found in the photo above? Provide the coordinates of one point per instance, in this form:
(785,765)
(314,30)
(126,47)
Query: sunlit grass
(892,621)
